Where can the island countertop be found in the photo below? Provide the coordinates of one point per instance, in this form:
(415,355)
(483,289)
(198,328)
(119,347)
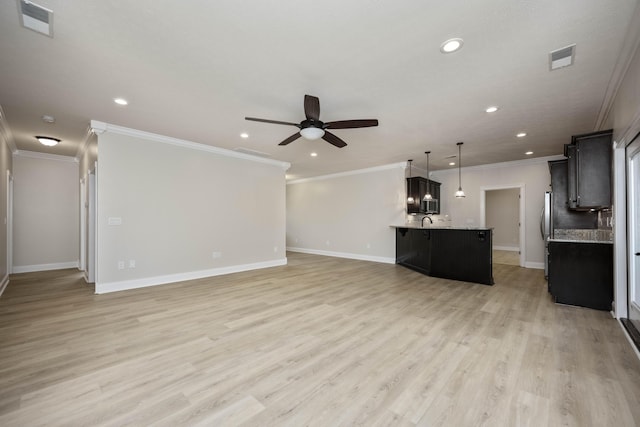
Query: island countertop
(437,227)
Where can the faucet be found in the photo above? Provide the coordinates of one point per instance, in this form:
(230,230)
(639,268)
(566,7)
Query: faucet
(426,216)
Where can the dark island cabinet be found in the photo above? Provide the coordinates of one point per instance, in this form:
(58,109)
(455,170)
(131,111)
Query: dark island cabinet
(581,273)
(417,187)
(589,170)
(458,254)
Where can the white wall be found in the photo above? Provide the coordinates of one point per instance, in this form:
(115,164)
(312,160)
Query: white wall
(533,174)
(179,203)
(623,116)
(46,218)
(503,215)
(347,215)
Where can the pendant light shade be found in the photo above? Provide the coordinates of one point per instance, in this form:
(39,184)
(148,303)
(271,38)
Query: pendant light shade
(459,193)
(410,199)
(428,195)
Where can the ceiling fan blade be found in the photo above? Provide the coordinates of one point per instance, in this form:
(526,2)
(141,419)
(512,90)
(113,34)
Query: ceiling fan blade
(350,124)
(291,139)
(272,121)
(332,139)
(311,107)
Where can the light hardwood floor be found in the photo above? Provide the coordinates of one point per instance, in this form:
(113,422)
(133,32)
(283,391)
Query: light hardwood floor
(322,341)
(506,257)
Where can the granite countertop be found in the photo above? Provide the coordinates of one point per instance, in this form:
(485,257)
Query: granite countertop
(580,241)
(437,227)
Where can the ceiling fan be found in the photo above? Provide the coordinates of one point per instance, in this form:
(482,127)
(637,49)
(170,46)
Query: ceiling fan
(312,128)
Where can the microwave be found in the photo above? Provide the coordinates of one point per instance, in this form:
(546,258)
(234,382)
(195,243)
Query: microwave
(429,206)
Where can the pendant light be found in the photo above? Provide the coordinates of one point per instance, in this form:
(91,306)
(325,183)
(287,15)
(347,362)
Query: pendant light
(459,193)
(409,197)
(428,195)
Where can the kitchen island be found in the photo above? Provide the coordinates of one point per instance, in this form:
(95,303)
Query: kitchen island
(458,253)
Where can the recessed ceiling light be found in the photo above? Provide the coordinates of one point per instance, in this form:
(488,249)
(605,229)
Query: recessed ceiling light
(521,135)
(244,135)
(451,45)
(121,101)
(452,163)
(48,119)
(48,141)
(528,153)
(314,154)
(491,109)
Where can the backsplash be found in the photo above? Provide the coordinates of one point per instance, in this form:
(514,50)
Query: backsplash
(603,235)
(438,220)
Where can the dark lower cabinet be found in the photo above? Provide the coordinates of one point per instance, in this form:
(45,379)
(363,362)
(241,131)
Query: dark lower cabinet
(413,249)
(448,253)
(581,274)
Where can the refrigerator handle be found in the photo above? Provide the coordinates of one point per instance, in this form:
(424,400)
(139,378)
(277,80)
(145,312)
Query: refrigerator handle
(542,224)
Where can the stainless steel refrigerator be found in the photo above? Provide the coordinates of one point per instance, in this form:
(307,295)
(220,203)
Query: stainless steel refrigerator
(546,227)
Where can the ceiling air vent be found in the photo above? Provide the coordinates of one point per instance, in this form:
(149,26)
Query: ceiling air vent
(36,17)
(561,58)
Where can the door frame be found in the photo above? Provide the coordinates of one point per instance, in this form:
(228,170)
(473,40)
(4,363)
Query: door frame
(9,223)
(521,215)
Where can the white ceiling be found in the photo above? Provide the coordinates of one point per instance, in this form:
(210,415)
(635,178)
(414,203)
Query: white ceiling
(194,69)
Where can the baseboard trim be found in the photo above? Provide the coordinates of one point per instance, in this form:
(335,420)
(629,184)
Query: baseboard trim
(360,257)
(3,284)
(44,267)
(103,288)
(507,248)
(536,265)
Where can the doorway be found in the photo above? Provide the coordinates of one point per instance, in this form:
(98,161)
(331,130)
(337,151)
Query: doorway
(633,238)
(502,210)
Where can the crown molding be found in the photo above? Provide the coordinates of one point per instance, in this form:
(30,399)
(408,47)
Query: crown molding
(5,132)
(44,156)
(401,165)
(99,128)
(629,50)
(85,143)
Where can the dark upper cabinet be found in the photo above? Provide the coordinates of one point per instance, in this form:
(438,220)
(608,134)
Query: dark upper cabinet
(563,216)
(417,187)
(589,171)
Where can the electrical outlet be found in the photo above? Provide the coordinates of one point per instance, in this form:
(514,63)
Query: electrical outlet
(132,263)
(275,249)
(120,265)
(216,254)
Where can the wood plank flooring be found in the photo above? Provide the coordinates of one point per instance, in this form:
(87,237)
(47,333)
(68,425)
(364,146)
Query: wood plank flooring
(322,341)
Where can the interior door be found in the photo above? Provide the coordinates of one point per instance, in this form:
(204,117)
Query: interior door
(633,227)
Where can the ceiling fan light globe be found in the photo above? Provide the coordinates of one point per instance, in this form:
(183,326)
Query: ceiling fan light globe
(312,133)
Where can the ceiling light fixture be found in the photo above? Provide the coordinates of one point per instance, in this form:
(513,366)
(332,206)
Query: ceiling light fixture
(427,196)
(48,141)
(48,119)
(244,135)
(521,135)
(312,133)
(451,45)
(491,109)
(459,193)
(314,154)
(528,153)
(121,101)
(452,163)
(410,198)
